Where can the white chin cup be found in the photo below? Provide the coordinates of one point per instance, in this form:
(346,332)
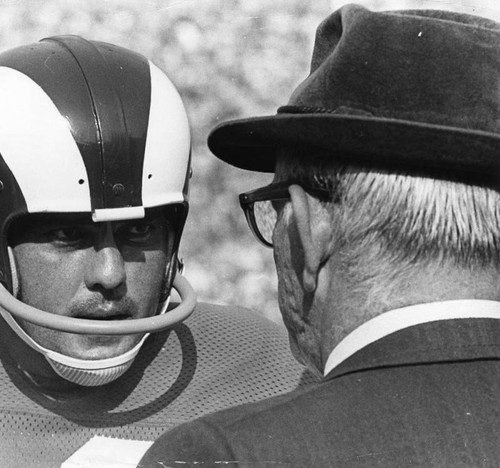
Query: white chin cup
(85,372)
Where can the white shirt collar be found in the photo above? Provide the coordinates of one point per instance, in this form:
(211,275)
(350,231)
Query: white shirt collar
(397,319)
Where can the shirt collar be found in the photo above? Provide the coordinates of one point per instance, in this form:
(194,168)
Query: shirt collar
(398,319)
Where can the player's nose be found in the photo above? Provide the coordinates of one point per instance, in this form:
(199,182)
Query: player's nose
(106,267)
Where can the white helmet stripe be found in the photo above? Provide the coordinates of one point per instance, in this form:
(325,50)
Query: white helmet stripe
(29,111)
(167,144)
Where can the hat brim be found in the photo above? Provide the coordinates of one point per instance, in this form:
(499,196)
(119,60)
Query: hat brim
(251,143)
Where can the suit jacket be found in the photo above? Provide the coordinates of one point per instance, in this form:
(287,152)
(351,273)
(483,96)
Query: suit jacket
(426,396)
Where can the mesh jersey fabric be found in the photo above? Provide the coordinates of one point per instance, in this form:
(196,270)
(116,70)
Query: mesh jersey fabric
(220,357)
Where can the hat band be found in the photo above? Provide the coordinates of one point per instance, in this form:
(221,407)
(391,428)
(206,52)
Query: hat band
(344,110)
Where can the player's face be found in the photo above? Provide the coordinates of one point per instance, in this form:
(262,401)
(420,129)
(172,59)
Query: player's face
(70,266)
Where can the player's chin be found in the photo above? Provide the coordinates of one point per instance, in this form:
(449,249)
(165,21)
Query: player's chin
(93,347)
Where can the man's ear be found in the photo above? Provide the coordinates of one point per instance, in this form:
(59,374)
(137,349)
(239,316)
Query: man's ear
(314,233)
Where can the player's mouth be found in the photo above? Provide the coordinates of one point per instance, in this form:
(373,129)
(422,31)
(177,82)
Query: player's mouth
(113,317)
(105,314)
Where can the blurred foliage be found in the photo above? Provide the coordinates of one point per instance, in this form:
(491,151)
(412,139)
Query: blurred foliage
(229,59)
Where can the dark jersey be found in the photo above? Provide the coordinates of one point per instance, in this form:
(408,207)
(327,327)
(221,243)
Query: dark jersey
(219,357)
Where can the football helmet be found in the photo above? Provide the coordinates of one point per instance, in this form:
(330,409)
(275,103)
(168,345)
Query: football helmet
(89,127)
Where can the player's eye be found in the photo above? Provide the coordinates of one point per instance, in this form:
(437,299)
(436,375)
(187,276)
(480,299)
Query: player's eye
(68,235)
(139,233)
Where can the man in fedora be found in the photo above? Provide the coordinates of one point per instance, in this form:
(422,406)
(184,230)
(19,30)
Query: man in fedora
(384,217)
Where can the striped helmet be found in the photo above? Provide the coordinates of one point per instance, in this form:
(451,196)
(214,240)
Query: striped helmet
(88,127)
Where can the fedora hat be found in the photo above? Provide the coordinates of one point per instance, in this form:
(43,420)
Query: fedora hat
(412,89)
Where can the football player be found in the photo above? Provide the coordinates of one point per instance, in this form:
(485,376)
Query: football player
(94,173)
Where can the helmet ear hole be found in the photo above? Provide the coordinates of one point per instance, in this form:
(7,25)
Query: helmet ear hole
(13,271)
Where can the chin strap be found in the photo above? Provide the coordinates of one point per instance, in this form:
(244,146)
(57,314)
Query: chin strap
(99,371)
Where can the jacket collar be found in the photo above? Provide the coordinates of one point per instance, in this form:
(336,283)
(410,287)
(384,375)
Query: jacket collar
(437,332)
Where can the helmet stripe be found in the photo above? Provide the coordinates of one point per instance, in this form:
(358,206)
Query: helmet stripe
(168,143)
(47,181)
(118,85)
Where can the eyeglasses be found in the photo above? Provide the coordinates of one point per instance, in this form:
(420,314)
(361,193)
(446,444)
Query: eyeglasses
(260,207)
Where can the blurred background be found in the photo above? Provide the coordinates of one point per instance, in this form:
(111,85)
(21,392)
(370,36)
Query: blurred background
(229,59)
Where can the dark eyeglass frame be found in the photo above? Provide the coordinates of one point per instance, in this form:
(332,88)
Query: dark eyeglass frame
(273,191)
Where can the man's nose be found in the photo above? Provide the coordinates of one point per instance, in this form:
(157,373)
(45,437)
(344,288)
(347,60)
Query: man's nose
(106,269)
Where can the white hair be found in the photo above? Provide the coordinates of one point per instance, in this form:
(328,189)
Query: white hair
(401,221)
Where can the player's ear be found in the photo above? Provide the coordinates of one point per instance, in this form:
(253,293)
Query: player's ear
(315,233)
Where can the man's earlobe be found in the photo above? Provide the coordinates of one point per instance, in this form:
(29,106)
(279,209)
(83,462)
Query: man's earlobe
(302,217)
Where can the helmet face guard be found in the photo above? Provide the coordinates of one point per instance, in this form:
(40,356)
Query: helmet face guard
(89,127)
